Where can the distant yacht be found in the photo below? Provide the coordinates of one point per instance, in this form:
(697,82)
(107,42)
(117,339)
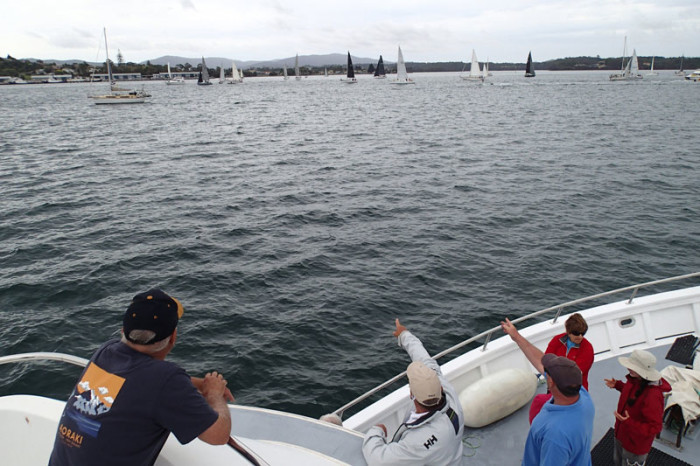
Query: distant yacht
(630,71)
(203,79)
(651,70)
(529,69)
(475,74)
(350,79)
(680,72)
(297,75)
(401,74)
(174,81)
(379,72)
(236,74)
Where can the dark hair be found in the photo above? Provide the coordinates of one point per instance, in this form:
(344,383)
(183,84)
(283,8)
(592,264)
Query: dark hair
(576,323)
(433,403)
(642,385)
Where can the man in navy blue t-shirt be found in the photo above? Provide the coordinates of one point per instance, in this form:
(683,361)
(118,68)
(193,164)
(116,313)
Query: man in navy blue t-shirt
(129,398)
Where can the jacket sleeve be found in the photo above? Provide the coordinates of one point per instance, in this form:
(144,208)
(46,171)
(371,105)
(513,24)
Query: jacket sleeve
(404,453)
(552,346)
(417,352)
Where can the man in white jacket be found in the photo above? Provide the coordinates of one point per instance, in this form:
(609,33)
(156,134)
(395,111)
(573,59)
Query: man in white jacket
(431,433)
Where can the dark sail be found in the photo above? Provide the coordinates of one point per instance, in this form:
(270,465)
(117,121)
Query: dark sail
(380,68)
(351,72)
(529,70)
(199,79)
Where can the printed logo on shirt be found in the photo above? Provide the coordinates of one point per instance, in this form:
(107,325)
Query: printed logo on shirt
(93,395)
(97,391)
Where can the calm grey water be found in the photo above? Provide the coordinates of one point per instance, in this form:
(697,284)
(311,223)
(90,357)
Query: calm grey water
(296,220)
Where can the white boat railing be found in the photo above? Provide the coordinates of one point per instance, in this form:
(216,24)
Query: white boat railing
(44,356)
(489,333)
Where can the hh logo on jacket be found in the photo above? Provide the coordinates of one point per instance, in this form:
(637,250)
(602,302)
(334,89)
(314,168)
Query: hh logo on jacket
(430,442)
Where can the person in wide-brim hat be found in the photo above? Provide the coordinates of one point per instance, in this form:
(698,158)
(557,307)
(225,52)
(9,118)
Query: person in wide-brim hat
(643,363)
(640,408)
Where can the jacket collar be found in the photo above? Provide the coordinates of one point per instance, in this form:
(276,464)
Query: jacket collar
(442,406)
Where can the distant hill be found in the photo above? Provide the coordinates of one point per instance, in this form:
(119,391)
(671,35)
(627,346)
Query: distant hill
(332,59)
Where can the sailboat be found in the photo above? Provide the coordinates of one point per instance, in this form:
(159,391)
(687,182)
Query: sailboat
(203,79)
(118,95)
(401,74)
(379,72)
(222,75)
(475,74)
(171,80)
(630,71)
(297,75)
(680,72)
(651,70)
(529,69)
(284,71)
(350,79)
(325,72)
(235,74)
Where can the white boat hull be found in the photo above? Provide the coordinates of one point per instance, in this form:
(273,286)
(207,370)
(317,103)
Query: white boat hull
(118,99)
(28,428)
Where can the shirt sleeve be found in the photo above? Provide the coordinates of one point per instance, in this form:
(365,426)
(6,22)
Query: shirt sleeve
(182,409)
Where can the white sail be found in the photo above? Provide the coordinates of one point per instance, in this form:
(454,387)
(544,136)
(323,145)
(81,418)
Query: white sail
(284,70)
(170,76)
(297,76)
(236,74)
(634,63)
(651,70)
(475,71)
(222,77)
(401,73)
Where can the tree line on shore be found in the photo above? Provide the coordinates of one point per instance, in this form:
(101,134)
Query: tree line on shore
(26,68)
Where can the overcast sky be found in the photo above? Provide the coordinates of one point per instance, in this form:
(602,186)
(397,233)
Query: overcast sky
(427,30)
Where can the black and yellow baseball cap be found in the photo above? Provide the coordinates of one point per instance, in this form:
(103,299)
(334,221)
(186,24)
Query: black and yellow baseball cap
(153,310)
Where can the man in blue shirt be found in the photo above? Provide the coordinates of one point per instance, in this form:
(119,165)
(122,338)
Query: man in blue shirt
(561,434)
(129,399)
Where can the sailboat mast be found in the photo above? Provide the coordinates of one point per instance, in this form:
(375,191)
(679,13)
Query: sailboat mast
(109,66)
(624,52)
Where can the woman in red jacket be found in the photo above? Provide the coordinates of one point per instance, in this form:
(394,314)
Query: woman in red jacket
(572,345)
(640,410)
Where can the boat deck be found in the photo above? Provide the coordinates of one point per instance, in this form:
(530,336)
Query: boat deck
(503,442)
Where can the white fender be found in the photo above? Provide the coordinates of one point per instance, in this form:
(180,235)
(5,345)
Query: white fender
(496,396)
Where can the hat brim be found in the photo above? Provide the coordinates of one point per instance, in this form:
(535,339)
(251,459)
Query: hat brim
(651,375)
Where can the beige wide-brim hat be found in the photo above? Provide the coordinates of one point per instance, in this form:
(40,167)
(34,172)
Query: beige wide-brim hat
(643,363)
